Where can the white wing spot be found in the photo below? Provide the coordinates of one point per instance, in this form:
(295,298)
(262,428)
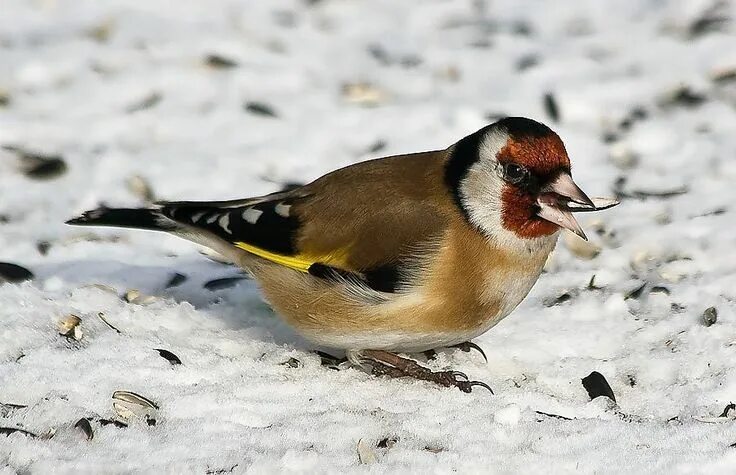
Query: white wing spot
(224,223)
(197,216)
(283,210)
(213,218)
(251,215)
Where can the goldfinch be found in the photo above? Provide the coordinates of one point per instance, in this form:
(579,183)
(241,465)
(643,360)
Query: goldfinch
(398,254)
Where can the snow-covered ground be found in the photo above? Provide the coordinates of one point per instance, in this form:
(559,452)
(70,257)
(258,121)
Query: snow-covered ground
(224,99)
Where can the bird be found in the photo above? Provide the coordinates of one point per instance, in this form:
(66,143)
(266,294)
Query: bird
(396,255)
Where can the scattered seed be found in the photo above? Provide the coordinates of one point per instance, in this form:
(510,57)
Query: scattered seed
(636,292)
(387,442)
(377,146)
(677,308)
(151,100)
(363,93)
(69,327)
(592,285)
(219,471)
(176,280)
(168,356)
(84,425)
(4,98)
(102,317)
(710,316)
(107,422)
(558,300)
(682,96)
(218,61)
(659,289)
(551,107)
(101,33)
(596,385)
(259,108)
(38,166)
(43,247)
(7,408)
(6,431)
(14,273)
(713,18)
(631,379)
(130,406)
(135,296)
(292,363)
(724,76)
(366,455)
(729,411)
(527,62)
(434,449)
(223,283)
(141,188)
(555,416)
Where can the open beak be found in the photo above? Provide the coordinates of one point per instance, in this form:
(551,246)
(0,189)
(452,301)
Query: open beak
(562,197)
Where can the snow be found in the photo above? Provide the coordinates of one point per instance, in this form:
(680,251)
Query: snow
(120,88)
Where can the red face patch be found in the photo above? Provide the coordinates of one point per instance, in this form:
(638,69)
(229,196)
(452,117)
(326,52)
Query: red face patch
(544,157)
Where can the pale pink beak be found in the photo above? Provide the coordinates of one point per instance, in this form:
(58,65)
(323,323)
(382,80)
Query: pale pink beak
(560,198)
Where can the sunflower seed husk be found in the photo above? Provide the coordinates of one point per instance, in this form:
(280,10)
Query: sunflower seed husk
(86,428)
(7,408)
(38,166)
(135,296)
(218,61)
(292,363)
(176,280)
(168,356)
(366,454)
(363,93)
(596,385)
(130,406)
(223,283)
(260,108)
(6,431)
(14,273)
(104,320)
(710,316)
(69,327)
(147,102)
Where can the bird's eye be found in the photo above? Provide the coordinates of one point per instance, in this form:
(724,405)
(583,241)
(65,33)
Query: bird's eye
(515,174)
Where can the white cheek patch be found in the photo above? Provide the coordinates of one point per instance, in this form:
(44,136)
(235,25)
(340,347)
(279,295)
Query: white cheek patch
(283,210)
(252,215)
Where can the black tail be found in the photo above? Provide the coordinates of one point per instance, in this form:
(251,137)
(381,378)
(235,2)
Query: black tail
(139,218)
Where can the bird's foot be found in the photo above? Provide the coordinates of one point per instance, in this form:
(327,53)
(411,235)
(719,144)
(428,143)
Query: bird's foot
(331,361)
(469,345)
(384,363)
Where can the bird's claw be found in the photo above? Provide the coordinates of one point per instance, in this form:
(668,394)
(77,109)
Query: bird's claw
(457,379)
(469,345)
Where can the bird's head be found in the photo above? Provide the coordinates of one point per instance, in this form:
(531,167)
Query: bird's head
(512,180)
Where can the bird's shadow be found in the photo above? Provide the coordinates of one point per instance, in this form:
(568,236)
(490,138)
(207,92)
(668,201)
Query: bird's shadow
(224,291)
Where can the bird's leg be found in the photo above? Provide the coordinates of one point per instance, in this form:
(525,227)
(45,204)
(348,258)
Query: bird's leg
(390,364)
(329,360)
(469,345)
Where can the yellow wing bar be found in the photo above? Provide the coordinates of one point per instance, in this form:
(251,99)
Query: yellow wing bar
(299,262)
